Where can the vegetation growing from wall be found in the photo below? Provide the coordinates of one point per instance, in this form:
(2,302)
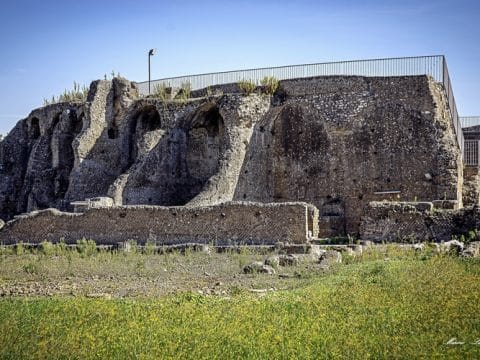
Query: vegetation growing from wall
(77,94)
(247,86)
(161,91)
(270,84)
(184,92)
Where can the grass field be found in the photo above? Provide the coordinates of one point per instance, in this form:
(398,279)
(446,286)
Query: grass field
(407,306)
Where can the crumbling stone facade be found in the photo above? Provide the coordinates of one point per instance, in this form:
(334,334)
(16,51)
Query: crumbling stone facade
(337,142)
(341,142)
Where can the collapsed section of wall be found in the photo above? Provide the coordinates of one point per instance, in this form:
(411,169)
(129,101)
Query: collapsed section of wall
(228,223)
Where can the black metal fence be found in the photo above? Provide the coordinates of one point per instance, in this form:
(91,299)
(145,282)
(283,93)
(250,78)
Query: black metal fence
(434,66)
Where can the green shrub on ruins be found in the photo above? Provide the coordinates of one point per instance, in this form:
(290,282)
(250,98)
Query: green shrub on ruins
(184,92)
(472,235)
(19,249)
(47,248)
(77,94)
(270,84)
(150,248)
(247,86)
(160,91)
(86,247)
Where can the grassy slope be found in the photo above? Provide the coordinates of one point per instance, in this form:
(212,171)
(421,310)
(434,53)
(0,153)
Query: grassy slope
(402,308)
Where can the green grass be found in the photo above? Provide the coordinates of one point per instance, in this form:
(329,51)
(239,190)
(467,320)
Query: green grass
(405,308)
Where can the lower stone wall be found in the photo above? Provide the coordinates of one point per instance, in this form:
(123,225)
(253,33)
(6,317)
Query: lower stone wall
(228,223)
(471,186)
(415,221)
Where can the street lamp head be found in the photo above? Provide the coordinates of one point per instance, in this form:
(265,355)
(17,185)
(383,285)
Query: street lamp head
(152,52)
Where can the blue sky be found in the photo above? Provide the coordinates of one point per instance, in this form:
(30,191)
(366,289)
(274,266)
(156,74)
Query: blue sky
(47,45)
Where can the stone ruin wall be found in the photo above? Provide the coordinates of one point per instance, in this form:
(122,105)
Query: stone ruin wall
(261,224)
(416,222)
(337,141)
(331,141)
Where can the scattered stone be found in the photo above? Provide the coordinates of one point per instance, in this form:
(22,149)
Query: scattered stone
(258,267)
(330,257)
(312,249)
(258,291)
(366,243)
(273,261)
(419,247)
(288,260)
(472,250)
(204,249)
(99,296)
(268,270)
(451,247)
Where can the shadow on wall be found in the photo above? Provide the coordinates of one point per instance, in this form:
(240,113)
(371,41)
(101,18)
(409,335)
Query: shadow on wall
(34,128)
(65,157)
(179,166)
(146,120)
(51,161)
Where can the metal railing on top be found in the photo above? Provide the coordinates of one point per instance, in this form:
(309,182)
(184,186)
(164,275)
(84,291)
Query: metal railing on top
(469,121)
(434,66)
(471,153)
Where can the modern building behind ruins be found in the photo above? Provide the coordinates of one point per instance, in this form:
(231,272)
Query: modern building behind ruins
(338,136)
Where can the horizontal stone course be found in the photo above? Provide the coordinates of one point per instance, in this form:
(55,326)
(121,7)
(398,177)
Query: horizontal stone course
(228,223)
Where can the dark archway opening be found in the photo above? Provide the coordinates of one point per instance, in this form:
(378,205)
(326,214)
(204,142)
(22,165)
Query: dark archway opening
(66,155)
(147,119)
(205,143)
(34,129)
(213,122)
(112,133)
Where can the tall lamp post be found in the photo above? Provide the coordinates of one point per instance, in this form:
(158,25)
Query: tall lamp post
(151,52)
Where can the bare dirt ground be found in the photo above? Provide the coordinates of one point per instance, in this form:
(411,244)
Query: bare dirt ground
(114,274)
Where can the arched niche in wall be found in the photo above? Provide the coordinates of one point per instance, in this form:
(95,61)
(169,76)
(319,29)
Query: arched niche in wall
(205,143)
(146,119)
(77,123)
(34,128)
(70,129)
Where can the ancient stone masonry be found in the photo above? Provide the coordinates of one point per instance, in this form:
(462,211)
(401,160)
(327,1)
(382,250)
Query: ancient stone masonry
(416,221)
(336,142)
(341,142)
(218,225)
